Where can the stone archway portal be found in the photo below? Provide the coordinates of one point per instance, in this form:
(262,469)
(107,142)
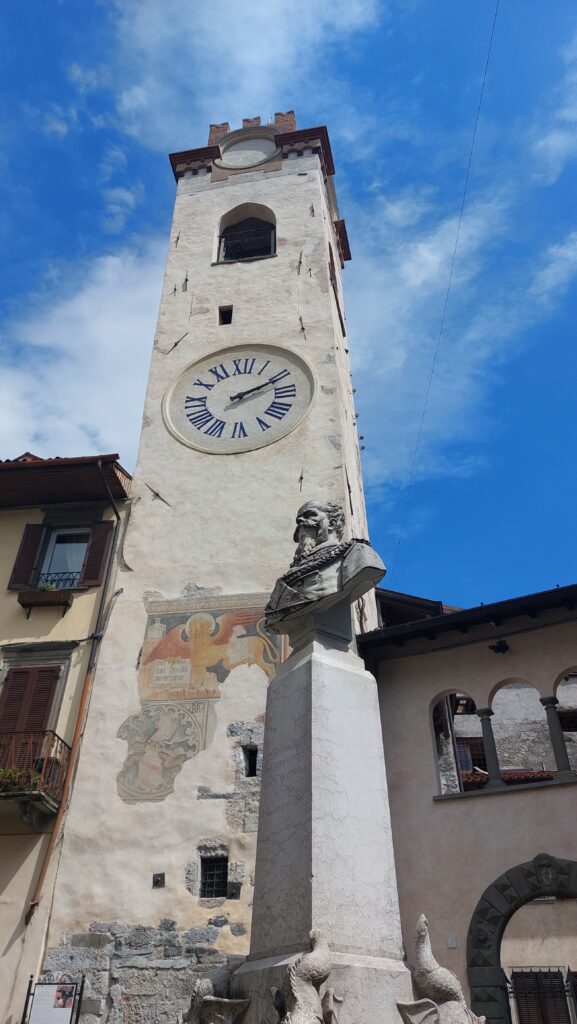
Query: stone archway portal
(545,875)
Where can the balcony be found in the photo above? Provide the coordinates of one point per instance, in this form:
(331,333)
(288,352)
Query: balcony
(33,768)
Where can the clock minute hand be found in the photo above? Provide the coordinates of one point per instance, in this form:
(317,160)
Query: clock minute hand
(243,394)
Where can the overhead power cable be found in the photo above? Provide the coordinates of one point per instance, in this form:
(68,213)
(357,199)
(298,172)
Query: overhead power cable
(446,302)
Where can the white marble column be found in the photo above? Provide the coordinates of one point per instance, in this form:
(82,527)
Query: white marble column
(325,855)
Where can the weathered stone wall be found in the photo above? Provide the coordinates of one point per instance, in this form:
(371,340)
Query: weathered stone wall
(144,973)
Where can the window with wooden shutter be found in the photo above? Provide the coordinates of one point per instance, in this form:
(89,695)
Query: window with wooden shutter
(63,557)
(541,997)
(26,698)
(96,554)
(27,562)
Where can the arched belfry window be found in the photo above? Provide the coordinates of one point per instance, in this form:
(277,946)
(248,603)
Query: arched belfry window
(247,233)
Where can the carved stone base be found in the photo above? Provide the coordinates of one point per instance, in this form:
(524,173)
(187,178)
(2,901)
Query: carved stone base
(370,987)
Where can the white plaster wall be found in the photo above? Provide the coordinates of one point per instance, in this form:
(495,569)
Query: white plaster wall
(541,934)
(218,504)
(225,524)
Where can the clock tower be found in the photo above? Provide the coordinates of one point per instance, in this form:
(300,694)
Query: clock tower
(249,413)
(249,409)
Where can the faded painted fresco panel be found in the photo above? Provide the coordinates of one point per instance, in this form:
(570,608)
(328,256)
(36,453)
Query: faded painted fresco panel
(190,647)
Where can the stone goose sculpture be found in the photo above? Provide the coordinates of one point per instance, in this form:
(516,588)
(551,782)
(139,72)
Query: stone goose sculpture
(305,977)
(206,1008)
(434,982)
(444,1002)
(314,967)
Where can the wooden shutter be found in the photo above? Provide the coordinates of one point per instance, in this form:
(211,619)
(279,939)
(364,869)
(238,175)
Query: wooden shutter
(28,557)
(96,554)
(541,997)
(13,689)
(37,710)
(26,698)
(554,998)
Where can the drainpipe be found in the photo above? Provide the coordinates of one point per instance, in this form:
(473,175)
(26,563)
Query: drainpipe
(81,716)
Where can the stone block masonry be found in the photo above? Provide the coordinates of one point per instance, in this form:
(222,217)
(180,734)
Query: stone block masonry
(145,973)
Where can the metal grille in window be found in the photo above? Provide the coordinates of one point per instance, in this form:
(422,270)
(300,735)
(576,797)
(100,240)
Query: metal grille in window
(250,239)
(471,753)
(568,719)
(213,877)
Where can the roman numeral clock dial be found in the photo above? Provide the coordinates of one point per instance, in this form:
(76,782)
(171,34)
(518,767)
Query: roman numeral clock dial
(239,398)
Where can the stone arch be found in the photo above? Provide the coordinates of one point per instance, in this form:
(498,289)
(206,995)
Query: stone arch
(567,675)
(519,680)
(245,211)
(545,875)
(247,232)
(565,690)
(445,740)
(520,728)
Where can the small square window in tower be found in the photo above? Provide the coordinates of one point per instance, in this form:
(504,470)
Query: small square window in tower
(224,315)
(250,760)
(213,877)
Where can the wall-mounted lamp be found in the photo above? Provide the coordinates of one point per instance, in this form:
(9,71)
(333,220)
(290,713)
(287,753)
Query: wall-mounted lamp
(499,647)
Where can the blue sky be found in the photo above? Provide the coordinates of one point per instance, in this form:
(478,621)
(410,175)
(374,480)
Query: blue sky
(95,94)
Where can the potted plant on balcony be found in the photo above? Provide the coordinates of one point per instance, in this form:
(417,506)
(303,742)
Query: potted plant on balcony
(19,780)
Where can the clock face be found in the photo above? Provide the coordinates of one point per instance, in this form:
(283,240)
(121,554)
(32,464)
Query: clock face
(239,398)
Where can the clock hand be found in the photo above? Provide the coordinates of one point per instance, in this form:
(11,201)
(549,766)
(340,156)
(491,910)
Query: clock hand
(243,394)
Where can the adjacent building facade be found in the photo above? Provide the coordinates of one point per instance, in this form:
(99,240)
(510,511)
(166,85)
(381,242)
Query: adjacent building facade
(59,523)
(479,718)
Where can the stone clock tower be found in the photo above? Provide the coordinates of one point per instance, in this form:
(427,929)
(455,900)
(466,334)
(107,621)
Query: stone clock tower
(249,413)
(249,409)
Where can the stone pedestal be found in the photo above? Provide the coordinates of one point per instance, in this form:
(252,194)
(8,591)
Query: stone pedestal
(325,856)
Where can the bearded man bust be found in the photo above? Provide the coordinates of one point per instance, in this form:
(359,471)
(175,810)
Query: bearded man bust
(326,572)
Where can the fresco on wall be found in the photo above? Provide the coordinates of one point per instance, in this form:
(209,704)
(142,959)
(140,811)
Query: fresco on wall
(190,647)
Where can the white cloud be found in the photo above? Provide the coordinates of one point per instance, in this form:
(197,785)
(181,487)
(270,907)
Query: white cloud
(558,270)
(87,79)
(555,136)
(59,120)
(113,161)
(77,384)
(177,66)
(396,287)
(120,202)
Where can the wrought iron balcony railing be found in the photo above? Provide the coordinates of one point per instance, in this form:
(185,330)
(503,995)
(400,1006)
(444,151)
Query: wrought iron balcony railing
(58,580)
(33,766)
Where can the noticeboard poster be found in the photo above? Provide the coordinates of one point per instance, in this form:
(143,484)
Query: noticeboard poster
(53,1003)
